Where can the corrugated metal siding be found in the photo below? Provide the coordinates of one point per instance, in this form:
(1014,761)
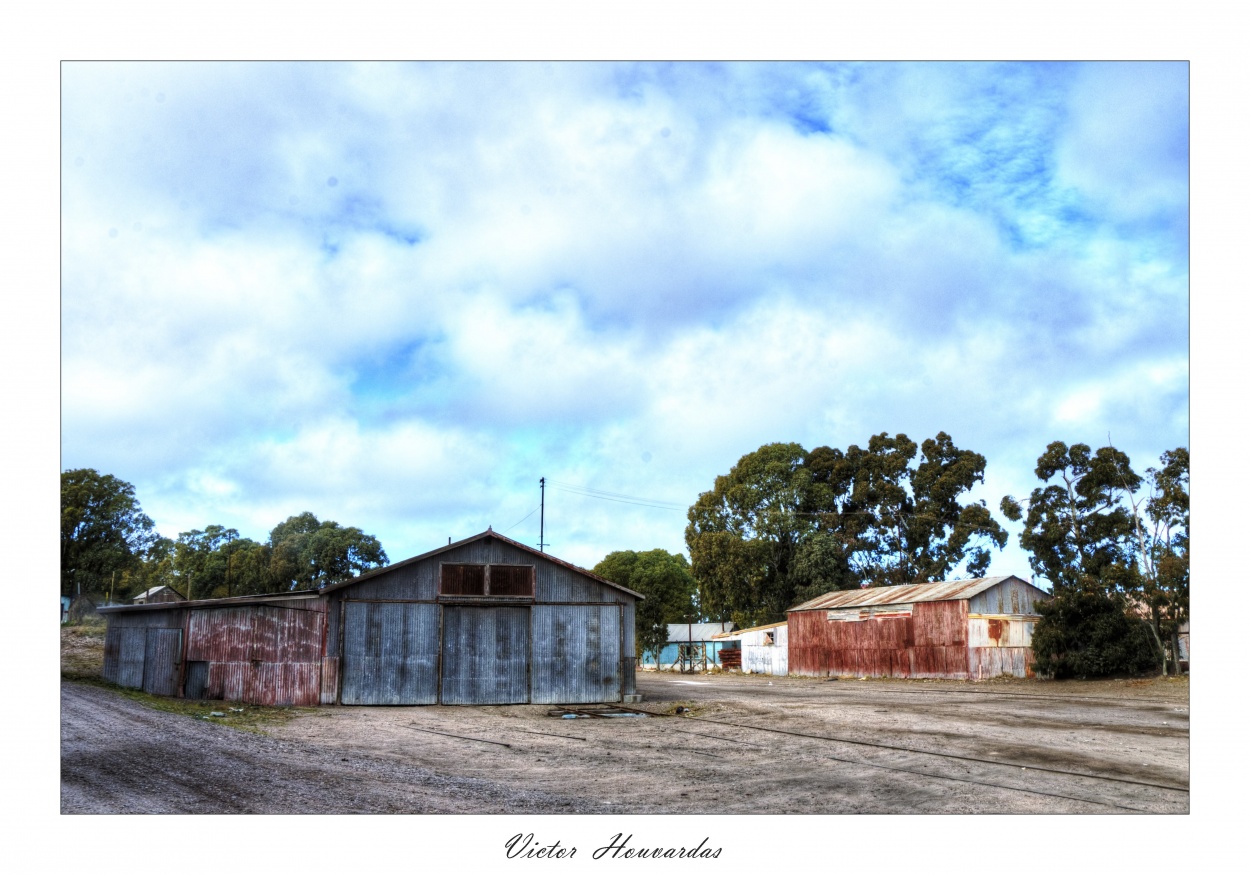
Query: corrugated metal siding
(761,658)
(1012,596)
(932,642)
(990,662)
(577,654)
(1000,632)
(629,659)
(390,653)
(197,680)
(162,661)
(486,655)
(261,654)
(124,651)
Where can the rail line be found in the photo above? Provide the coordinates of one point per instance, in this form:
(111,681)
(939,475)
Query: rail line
(950,756)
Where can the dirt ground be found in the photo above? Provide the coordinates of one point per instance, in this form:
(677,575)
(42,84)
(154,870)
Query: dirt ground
(720,743)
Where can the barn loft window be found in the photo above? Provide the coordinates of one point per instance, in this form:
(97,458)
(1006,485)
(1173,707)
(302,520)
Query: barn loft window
(515,581)
(770,638)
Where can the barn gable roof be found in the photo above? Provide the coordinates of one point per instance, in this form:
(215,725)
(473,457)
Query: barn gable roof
(374,572)
(941,591)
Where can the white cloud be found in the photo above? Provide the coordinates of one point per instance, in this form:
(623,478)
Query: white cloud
(398,295)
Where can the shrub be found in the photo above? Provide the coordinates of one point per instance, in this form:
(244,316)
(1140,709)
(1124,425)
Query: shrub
(1089,634)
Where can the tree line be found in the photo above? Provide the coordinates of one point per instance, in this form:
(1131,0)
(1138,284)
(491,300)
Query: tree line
(785,525)
(110,549)
(782,526)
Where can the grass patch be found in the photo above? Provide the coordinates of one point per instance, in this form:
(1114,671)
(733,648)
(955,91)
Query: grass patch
(82,661)
(236,715)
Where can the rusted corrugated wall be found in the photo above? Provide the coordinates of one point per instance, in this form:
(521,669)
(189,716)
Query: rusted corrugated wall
(931,643)
(1000,645)
(262,654)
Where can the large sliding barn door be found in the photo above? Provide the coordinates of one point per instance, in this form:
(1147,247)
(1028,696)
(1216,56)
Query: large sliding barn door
(390,653)
(486,655)
(578,655)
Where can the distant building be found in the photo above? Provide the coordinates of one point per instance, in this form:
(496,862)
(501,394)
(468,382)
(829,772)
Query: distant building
(157,595)
(965,629)
(761,649)
(690,647)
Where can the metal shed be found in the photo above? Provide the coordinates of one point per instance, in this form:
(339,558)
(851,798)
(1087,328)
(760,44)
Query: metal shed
(486,620)
(762,649)
(690,647)
(964,629)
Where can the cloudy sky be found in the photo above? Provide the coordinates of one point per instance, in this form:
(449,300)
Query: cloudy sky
(398,295)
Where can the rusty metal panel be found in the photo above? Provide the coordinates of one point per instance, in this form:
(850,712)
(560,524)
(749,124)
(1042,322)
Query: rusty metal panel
(940,623)
(162,661)
(991,662)
(261,654)
(390,653)
(577,654)
(485,655)
(329,680)
(1000,632)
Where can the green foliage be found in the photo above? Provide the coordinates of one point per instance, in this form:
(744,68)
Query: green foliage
(744,534)
(1077,530)
(307,553)
(1089,533)
(786,525)
(104,531)
(1084,633)
(665,581)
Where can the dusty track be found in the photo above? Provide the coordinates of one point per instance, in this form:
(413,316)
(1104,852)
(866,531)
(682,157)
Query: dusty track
(746,745)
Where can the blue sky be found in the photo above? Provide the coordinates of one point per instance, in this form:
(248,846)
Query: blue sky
(397,295)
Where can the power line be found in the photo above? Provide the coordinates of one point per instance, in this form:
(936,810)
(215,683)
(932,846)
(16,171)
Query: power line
(518,522)
(587,492)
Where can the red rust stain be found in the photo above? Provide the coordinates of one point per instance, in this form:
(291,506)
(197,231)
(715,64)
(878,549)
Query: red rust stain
(996,630)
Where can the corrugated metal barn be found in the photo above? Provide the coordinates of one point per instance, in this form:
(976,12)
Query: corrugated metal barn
(957,629)
(486,620)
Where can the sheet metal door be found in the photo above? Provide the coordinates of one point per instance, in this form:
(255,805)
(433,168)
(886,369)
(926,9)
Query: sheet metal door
(162,658)
(578,654)
(486,655)
(390,653)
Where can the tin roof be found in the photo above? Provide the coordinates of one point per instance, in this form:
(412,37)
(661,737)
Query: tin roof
(738,632)
(373,572)
(212,603)
(154,590)
(941,591)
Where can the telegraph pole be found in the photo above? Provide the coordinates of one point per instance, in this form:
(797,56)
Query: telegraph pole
(542,511)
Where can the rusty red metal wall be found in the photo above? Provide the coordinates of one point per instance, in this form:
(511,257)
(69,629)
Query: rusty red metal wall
(932,643)
(262,654)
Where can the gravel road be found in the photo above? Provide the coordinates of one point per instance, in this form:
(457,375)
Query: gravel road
(119,757)
(742,744)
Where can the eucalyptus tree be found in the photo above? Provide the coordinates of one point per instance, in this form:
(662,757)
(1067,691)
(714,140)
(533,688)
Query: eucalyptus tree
(668,590)
(104,531)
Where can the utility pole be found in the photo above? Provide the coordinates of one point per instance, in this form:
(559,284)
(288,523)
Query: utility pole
(542,511)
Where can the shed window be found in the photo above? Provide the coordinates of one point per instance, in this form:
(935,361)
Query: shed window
(770,638)
(463,580)
(487,580)
(515,580)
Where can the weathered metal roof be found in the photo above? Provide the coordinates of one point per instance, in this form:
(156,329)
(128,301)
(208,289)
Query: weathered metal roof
(486,534)
(738,632)
(681,633)
(154,590)
(272,597)
(941,591)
